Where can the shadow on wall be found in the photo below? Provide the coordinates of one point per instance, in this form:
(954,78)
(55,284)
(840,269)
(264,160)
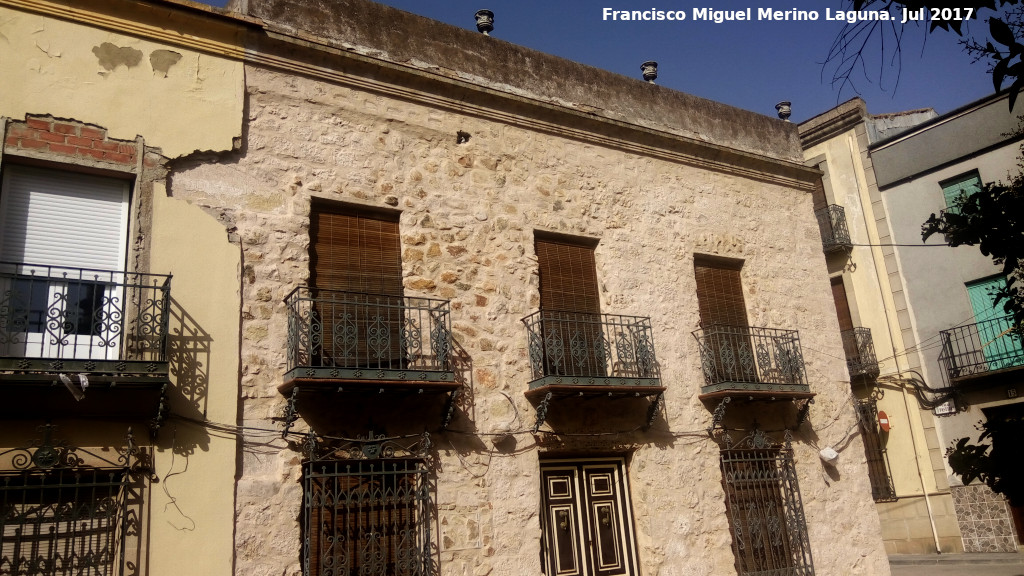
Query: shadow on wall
(188,353)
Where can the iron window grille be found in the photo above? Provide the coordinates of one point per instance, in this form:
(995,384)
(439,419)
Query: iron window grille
(66,510)
(860,352)
(367,511)
(762,500)
(882,488)
(832,224)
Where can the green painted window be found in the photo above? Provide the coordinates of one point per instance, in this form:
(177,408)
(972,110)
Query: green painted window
(1001,348)
(960,187)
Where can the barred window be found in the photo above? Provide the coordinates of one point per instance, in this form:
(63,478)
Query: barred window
(882,489)
(766,518)
(68,510)
(366,518)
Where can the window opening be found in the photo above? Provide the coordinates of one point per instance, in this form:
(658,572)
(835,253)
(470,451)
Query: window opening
(766,517)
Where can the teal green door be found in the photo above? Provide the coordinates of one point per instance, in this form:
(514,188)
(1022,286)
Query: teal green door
(1001,349)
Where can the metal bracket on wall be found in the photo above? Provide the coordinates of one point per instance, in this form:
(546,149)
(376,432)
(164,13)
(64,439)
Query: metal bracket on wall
(291,414)
(449,407)
(652,410)
(803,410)
(542,411)
(161,412)
(719,415)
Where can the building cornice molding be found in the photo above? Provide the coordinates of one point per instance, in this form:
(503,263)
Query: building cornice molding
(819,129)
(255,42)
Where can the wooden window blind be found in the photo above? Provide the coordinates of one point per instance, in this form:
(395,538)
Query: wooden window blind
(842,305)
(720,293)
(568,276)
(355,250)
(818,195)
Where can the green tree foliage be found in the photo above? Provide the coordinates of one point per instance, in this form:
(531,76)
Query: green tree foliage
(993,220)
(996,44)
(995,460)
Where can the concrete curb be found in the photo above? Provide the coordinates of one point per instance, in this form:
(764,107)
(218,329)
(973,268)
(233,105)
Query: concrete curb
(955,559)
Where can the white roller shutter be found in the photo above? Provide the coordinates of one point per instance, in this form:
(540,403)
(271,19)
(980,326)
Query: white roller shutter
(56,218)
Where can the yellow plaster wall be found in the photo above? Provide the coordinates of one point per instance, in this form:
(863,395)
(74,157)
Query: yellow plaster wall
(868,293)
(81,72)
(192,506)
(906,528)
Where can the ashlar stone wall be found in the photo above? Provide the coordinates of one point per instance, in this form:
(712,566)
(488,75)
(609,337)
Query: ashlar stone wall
(469,213)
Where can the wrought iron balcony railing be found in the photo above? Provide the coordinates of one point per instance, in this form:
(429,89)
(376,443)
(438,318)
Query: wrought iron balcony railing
(748,359)
(832,225)
(335,335)
(572,348)
(981,348)
(860,352)
(60,319)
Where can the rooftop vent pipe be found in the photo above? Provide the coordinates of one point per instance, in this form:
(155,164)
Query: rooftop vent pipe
(784,109)
(484,21)
(650,70)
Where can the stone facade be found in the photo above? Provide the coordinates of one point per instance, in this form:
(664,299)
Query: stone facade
(477,163)
(470,210)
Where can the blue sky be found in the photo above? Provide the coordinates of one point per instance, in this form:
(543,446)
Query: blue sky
(751,65)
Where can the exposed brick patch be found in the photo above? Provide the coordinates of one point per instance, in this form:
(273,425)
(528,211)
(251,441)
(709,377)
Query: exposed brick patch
(22,131)
(69,138)
(94,133)
(39,123)
(116,157)
(52,137)
(65,128)
(62,149)
(106,146)
(91,153)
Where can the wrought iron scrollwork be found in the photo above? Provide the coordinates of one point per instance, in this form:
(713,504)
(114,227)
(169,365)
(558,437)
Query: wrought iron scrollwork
(72,313)
(378,497)
(449,408)
(750,358)
(803,411)
(47,454)
(542,411)
(719,415)
(341,334)
(589,349)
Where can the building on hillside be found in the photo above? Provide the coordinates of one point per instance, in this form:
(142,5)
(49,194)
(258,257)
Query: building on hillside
(429,315)
(921,308)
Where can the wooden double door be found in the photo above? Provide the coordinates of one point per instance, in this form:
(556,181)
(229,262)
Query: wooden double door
(587,519)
